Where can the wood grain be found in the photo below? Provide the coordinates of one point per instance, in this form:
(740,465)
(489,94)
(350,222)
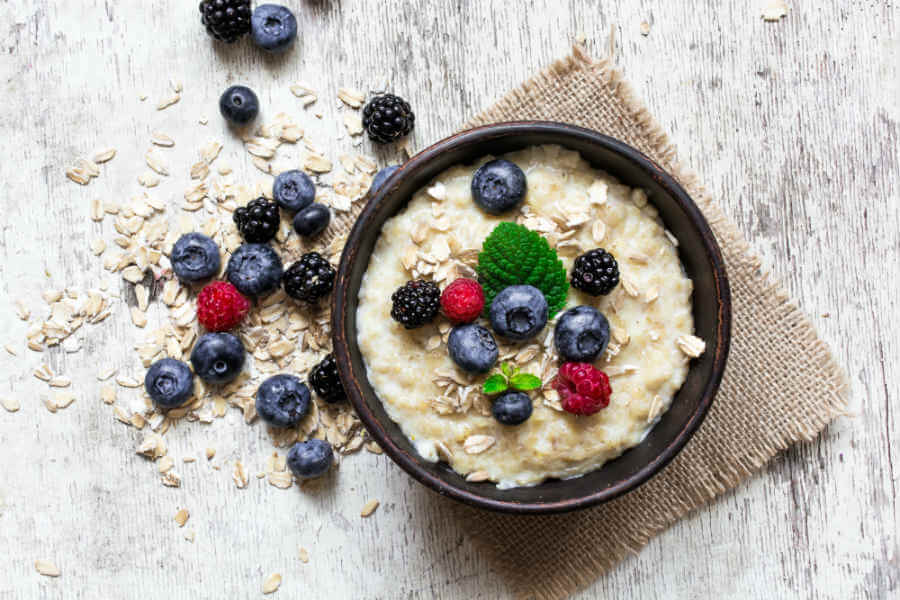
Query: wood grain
(794,125)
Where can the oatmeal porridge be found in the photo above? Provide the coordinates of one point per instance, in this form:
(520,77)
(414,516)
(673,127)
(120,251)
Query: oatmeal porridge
(443,409)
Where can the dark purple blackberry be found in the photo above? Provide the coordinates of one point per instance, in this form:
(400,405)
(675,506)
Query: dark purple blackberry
(325,380)
(226,20)
(258,221)
(595,272)
(416,303)
(388,118)
(310,278)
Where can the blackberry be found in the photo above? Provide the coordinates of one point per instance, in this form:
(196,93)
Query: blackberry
(258,221)
(309,278)
(416,303)
(595,272)
(226,20)
(325,380)
(387,118)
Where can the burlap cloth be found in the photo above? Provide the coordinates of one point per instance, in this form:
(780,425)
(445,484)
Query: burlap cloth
(781,384)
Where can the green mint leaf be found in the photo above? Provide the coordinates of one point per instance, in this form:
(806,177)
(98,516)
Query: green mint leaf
(525,381)
(494,384)
(507,369)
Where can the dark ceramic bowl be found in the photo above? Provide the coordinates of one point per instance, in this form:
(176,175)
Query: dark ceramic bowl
(698,252)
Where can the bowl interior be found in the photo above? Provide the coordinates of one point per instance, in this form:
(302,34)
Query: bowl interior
(699,254)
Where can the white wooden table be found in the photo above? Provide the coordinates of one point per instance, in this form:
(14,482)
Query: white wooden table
(794,126)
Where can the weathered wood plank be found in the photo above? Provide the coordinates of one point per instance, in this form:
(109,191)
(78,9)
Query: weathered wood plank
(794,125)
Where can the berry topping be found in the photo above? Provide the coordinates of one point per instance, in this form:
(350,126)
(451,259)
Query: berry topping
(169,383)
(581,335)
(380,177)
(293,190)
(310,278)
(519,312)
(273,27)
(195,257)
(463,300)
(218,357)
(239,105)
(312,220)
(311,458)
(415,303)
(498,186)
(595,272)
(258,221)
(511,255)
(226,20)
(473,348)
(512,408)
(282,400)
(583,390)
(387,118)
(325,380)
(254,269)
(220,306)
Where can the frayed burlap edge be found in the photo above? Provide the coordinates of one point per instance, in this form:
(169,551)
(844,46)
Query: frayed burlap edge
(488,531)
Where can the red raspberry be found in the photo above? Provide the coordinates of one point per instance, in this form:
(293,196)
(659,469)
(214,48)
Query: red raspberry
(583,390)
(220,306)
(463,300)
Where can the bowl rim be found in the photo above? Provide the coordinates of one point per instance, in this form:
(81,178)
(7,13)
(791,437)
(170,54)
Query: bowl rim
(341,347)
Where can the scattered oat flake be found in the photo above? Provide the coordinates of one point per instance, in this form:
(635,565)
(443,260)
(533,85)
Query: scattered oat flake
(104,155)
(190,535)
(60,381)
(281,479)
(239,475)
(46,568)
(182,516)
(317,163)
(645,28)
(369,508)
(272,583)
(156,163)
(128,382)
(171,479)
(168,101)
(775,10)
(350,97)
(10,404)
(210,453)
(63,399)
(78,175)
(353,123)
(304,555)
(161,139)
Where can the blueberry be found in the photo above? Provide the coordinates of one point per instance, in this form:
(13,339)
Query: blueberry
(473,348)
(195,257)
(581,334)
(519,312)
(218,357)
(273,27)
(382,176)
(311,458)
(282,400)
(169,383)
(254,269)
(312,220)
(512,408)
(239,105)
(293,190)
(498,186)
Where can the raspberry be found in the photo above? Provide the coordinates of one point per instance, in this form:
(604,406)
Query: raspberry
(463,300)
(220,306)
(583,390)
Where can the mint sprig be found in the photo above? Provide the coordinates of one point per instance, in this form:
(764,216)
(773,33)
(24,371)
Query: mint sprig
(510,377)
